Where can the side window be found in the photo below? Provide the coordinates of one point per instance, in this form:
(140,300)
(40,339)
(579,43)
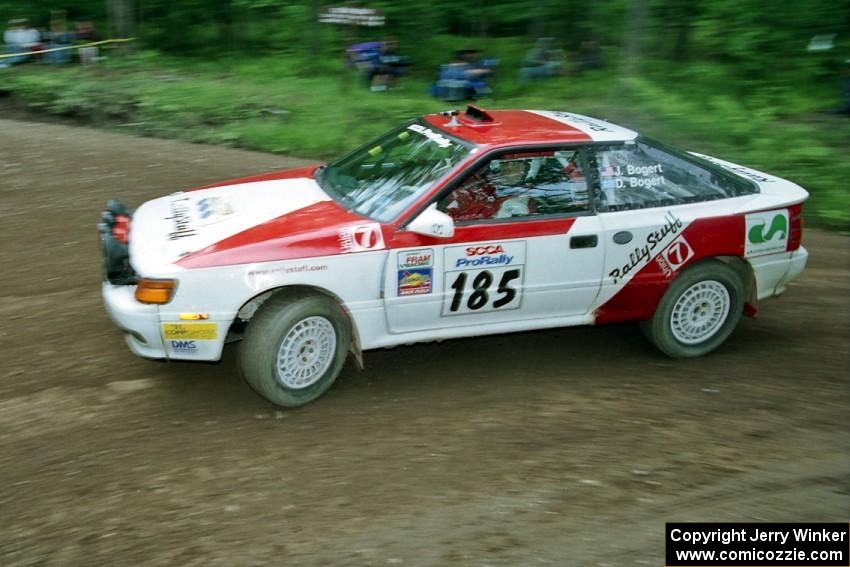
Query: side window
(521,186)
(639,175)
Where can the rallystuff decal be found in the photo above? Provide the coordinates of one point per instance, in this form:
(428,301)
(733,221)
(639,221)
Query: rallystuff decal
(415,272)
(481,278)
(766,233)
(361,238)
(190,331)
(642,254)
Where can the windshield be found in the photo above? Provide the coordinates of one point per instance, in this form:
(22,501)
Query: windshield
(382,179)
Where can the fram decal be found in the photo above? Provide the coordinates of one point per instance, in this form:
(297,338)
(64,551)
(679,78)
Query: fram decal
(641,255)
(182,219)
(361,238)
(766,233)
(415,259)
(415,281)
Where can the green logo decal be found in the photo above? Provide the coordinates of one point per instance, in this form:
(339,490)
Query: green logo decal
(778,224)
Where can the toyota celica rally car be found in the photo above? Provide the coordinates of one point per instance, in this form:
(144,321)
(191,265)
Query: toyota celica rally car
(451,225)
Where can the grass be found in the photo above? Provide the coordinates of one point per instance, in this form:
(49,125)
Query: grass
(286,105)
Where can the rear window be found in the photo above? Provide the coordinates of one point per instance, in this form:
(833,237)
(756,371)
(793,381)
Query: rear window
(642,175)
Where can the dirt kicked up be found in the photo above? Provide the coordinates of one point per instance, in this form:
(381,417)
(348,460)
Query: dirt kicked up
(564,447)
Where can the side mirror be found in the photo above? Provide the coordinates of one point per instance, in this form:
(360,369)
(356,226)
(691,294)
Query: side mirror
(432,222)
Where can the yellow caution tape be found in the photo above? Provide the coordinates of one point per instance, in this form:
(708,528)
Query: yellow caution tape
(93,44)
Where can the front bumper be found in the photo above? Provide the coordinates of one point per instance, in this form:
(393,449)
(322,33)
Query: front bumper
(140,322)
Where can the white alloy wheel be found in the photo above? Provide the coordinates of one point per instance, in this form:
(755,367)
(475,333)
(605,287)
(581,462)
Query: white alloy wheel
(306,353)
(700,312)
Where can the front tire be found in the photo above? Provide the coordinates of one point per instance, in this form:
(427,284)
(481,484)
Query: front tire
(698,312)
(294,348)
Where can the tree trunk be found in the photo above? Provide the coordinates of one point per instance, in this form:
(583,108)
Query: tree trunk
(635,26)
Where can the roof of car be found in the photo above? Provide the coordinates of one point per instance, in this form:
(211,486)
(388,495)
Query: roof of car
(512,127)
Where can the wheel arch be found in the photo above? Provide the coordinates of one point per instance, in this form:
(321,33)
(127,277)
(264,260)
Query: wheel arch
(249,308)
(748,279)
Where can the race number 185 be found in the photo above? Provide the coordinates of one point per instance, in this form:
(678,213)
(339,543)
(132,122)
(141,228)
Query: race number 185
(484,278)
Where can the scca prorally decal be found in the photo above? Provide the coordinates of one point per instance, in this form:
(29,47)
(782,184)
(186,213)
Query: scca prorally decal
(767,232)
(182,219)
(487,255)
(361,238)
(641,255)
(674,256)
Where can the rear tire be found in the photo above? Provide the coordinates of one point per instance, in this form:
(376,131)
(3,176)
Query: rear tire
(698,312)
(294,348)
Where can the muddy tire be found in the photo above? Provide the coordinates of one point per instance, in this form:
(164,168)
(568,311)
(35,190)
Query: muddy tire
(294,348)
(698,312)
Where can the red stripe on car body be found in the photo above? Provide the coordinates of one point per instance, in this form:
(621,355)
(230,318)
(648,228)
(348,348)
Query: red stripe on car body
(484,232)
(639,298)
(305,233)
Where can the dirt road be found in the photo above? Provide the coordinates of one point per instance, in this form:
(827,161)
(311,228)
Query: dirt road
(564,447)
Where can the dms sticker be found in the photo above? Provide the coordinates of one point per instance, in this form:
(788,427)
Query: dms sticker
(183,346)
(766,233)
(415,259)
(361,238)
(415,281)
(190,331)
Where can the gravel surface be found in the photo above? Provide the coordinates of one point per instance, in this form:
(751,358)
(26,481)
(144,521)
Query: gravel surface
(563,447)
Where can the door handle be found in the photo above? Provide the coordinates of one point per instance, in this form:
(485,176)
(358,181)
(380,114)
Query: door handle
(584,241)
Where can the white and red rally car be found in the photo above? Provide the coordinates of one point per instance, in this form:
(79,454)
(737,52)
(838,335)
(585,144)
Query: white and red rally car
(452,225)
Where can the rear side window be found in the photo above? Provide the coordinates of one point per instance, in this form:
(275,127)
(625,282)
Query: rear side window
(641,175)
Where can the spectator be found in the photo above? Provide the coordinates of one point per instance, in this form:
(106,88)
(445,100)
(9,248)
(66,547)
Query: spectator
(464,78)
(19,38)
(388,66)
(542,61)
(589,57)
(59,37)
(85,32)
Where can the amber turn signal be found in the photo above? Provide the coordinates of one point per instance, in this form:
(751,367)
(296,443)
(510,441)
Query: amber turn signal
(155,291)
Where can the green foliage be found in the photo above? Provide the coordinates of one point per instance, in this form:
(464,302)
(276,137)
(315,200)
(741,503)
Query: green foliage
(728,77)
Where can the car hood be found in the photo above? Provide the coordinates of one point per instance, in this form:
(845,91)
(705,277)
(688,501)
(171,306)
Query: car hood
(227,224)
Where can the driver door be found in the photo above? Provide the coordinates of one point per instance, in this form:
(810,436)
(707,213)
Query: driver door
(526,246)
